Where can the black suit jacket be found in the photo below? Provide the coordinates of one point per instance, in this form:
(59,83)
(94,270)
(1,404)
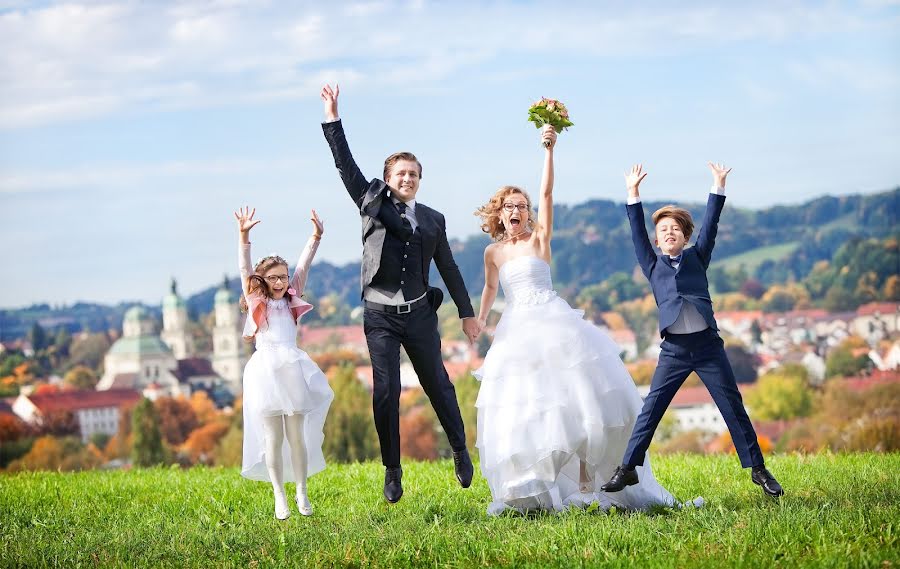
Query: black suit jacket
(376,210)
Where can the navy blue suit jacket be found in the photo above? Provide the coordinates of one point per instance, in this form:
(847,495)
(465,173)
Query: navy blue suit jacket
(671,287)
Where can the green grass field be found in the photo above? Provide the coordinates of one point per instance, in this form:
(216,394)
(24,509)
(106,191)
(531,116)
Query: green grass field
(753,258)
(839,511)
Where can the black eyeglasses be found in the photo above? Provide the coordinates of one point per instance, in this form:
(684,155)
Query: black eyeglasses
(523,207)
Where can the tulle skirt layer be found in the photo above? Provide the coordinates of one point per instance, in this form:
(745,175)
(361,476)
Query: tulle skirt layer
(283,380)
(555,410)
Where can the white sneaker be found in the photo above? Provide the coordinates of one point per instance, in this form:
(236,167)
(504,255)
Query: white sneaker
(303,505)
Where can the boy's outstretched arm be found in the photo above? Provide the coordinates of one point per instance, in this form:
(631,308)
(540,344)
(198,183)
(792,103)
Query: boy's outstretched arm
(706,238)
(646,256)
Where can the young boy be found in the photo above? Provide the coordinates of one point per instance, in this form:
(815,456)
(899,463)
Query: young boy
(688,328)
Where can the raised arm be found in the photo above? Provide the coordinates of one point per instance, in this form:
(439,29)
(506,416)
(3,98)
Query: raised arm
(491,280)
(706,238)
(646,256)
(354,181)
(245,222)
(301,271)
(545,209)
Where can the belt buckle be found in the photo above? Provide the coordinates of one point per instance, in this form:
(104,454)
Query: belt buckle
(407,306)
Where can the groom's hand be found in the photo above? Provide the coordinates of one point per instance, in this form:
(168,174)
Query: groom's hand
(471,329)
(330,100)
(719,173)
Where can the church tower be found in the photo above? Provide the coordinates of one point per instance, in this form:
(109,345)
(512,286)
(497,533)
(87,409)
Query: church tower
(228,347)
(175,325)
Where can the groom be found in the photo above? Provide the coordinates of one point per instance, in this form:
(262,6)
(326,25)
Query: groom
(400,239)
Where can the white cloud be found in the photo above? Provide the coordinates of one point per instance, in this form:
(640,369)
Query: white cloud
(73,61)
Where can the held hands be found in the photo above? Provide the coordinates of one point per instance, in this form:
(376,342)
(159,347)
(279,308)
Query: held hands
(719,173)
(330,100)
(548,137)
(244,217)
(472,329)
(318,226)
(633,179)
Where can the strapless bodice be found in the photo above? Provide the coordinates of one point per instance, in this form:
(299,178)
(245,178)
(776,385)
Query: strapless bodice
(526,281)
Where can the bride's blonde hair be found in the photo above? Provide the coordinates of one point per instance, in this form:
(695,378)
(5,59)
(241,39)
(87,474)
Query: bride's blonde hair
(489,213)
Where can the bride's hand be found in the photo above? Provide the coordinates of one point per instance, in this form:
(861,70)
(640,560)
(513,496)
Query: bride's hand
(548,136)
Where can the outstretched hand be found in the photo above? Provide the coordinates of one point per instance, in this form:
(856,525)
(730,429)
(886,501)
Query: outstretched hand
(719,173)
(548,137)
(318,226)
(244,217)
(634,178)
(330,100)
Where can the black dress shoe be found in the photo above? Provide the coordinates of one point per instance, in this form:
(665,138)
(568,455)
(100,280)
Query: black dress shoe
(463,466)
(762,477)
(393,489)
(620,479)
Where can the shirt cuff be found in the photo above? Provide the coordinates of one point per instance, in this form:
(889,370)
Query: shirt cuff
(718,190)
(335,120)
(633,200)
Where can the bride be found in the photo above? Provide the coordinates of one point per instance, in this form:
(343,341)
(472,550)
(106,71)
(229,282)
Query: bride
(556,404)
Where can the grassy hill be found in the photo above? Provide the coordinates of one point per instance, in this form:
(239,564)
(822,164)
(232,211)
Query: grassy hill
(839,511)
(755,257)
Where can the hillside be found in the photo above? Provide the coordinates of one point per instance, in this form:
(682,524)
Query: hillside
(591,242)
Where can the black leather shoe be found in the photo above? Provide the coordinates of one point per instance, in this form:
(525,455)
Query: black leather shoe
(762,477)
(393,489)
(463,466)
(620,479)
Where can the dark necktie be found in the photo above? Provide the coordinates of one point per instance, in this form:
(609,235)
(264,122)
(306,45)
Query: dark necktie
(401,207)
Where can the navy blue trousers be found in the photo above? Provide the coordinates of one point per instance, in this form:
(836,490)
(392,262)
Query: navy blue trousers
(703,352)
(417,332)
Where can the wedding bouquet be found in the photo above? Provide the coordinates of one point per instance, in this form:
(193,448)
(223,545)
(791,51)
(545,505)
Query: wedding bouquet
(552,112)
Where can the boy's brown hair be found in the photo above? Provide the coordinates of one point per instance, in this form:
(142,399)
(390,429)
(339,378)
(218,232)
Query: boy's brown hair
(396,157)
(681,216)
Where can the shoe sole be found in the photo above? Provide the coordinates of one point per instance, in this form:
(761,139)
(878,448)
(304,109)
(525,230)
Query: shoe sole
(766,492)
(463,484)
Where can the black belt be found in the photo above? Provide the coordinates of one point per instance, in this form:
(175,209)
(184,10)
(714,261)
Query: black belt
(404,308)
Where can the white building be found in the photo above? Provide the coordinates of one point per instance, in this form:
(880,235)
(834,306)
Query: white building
(229,349)
(175,325)
(95,411)
(139,359)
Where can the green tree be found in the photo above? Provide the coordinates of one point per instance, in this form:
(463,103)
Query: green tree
(38,337)
(148,446)
(349,430)
(779,395)
(81,377)
(466,394)
(845,361)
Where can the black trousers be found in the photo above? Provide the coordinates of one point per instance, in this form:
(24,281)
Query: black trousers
(703,352)
(417,332)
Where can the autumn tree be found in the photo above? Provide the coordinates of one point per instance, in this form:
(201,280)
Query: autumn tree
(176,419)
(201,444)
(204,409)
(466,394)
(417,436)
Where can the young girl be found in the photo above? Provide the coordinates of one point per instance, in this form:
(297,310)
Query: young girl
(286,396)
(556,404)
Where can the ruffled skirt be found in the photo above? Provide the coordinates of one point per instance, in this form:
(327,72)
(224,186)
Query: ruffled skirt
(555,411)
(283,380)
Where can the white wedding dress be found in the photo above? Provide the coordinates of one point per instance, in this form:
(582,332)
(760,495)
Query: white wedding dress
(281,379)
(554,393)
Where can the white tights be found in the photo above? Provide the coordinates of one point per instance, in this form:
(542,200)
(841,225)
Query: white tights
(275,429)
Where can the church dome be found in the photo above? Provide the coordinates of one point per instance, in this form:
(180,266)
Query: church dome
(137,314)
(224,296)
(173,301)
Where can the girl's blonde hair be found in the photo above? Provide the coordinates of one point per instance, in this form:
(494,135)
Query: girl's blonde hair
(489,213)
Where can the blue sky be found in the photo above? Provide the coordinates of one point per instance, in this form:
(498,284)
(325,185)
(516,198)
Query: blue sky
(130,131)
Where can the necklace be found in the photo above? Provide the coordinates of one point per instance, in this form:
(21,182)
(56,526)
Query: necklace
(516,236)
